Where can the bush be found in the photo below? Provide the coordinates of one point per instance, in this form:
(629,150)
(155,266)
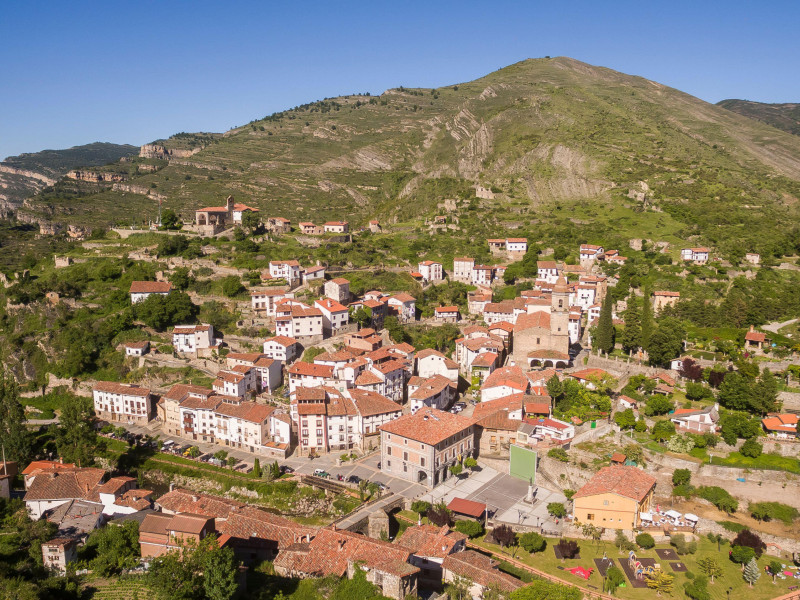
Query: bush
(420,506)
(439,515)
(697,589)
(532,542)
(719,497)
(732,526)
(645,541)
(469,528)
(681,477)
(558,454)
(742,554)
(557,510)
(682,547)
(685,491)
(751,448)
(568,548)
(766,511)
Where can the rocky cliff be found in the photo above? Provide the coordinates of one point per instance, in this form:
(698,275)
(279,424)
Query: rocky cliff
(164,153)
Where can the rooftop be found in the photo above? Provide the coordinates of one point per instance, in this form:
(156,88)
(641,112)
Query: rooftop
(428,425)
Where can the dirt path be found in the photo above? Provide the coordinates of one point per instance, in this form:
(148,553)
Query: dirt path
(774,327)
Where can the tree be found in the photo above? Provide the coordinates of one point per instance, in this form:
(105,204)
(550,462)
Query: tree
(275,470)
(396,331)
(661,582)
(532,542)
(257,468)
(736,391)
(567,548)
(645,541)
(734,426)
(641,425)
(646,320)
(663,430)
(232,286)
(710,567)
(614,578)
(219,568)
(681,444)
(16,438)
(504,536)
(169,220)
(765,396)
(180,278)
(632,334)
(159,311)
(690,369)
(555,388)
(634,453)
(470,463)
(751,572)
(194,452)
(750,539)
(76,437)
(362,316)
(697,588)
(456,469)
(666,342)
(625,419)
(420,506)
(681,477)
(604,334)
(458,588)
(751,448)
(658,405)
(251,221)
(682,547)
(557,510)
(439,515)
(470,528)
(775,567)
(113,549)
(232,460)
(742,554)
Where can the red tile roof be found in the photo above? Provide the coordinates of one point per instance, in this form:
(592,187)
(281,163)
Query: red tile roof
(430,540)
(467,507)
(181,500)
(304,369)
(39,466)
(531,320)
(512,377)
(282,340)
(428,425)
(119,388)
(480,569)
(629,482)
(63,484)
(150,287)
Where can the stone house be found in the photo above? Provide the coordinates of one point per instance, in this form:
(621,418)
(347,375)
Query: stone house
(279,225)
(480,570)
(662,299)
(429,546)
(58,553)
(338,289)
(161,533)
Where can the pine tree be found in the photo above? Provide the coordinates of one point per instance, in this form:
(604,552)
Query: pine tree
(646,320)
(257,469)
(632,335)
(604,336)
(751,572)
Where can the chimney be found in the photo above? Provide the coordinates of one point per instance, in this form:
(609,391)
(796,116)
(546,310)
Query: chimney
(341,545)
(229,203)
(171,486)
(61,460)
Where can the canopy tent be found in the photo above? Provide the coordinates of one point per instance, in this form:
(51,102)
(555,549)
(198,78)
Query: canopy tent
(673,514)
(645,516)
(691,517)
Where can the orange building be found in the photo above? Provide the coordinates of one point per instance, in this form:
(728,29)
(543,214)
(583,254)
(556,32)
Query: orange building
(615,497)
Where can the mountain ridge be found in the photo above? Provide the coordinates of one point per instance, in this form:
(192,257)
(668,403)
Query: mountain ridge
(542,132)
(784,116)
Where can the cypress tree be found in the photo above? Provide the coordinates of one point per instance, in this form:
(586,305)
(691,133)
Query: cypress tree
(604,338)
(632,336)
(647,325)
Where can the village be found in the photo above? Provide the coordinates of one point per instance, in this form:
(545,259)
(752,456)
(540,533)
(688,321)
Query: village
(459,466)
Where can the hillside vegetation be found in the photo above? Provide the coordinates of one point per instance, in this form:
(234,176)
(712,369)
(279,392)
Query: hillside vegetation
(559,143)
(24,175)
(783,116)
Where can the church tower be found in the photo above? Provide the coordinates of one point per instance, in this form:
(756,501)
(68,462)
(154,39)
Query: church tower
(559,316)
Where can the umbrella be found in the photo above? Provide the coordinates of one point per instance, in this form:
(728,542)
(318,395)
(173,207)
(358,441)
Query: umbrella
(691,517)
(646,516)
(673,514)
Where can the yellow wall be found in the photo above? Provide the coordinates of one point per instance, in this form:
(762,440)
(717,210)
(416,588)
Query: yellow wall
(609,510)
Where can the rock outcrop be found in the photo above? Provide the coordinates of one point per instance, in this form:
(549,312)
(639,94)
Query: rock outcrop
(164,153)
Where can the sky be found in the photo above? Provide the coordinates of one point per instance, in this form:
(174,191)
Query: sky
(77,72)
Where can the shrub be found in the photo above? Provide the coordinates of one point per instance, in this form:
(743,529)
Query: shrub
(719,497)
(766,511)
(681,546)
(439,515)
(557,510)
(681,477)
(751,448)
(568,548)
(732,526)
(532,542)
(420,506)
(558,454)
(645,540)
(685,491)
(469,528)
(742,554)
(697,589)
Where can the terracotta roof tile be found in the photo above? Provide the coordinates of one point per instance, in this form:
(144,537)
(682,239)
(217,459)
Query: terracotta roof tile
(428,425)
(629,482)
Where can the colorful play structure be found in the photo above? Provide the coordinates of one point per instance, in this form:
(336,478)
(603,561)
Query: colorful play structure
(641,571)
(581,572)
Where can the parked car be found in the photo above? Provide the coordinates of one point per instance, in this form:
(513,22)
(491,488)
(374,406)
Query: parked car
(383,486)
(286,469)
(321,473)
(354,479)
(462,405)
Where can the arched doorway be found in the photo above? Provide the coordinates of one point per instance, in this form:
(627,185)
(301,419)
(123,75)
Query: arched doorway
(422,477)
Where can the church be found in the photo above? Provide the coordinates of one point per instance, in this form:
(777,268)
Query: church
(541,336)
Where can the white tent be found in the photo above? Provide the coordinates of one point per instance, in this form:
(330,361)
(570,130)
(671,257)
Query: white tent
(646,516)
(673,514)
(691,517)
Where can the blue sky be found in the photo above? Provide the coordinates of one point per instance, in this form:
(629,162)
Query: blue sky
(77,72)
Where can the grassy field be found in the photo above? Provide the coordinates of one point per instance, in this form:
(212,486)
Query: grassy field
(732,577)
(129,588)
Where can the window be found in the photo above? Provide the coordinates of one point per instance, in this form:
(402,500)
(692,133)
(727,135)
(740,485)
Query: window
(388,464)
(405,455)
(605,502)
(590,516)
(421,462)
(405,468)
(389,450)
(319,432)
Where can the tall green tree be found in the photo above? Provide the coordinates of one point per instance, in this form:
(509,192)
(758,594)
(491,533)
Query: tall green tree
(751,572)
(76,437)
(632,334)
(765,396)
(15,437)
(604,334)
(647,324)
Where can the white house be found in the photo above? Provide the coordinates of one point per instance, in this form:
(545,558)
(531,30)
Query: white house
(191,338)
(334,315)
(137,348)
(282,348)
(405,305)
(547,271)
(141,290)
(431,362)
(434,392)
(697,255)
(431,270)
(338,289)
(336,227)
(447,314)
(314,274)
(285,269)
(267,300)
(503,382)
(590,252)
(236,382)
(516,246)
(118,402)
(696,421)
(298,320)
(481,275)
(462,268)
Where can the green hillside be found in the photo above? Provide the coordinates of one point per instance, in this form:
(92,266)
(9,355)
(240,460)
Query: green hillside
(783,116)
(24,175)
(561,143)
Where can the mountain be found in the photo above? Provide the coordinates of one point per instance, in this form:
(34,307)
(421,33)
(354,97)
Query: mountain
(25,175)
(783,116)
(556,145)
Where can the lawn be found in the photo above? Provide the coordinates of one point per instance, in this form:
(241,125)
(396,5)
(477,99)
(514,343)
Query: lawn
(129,588)
(773,462)
(732,578)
